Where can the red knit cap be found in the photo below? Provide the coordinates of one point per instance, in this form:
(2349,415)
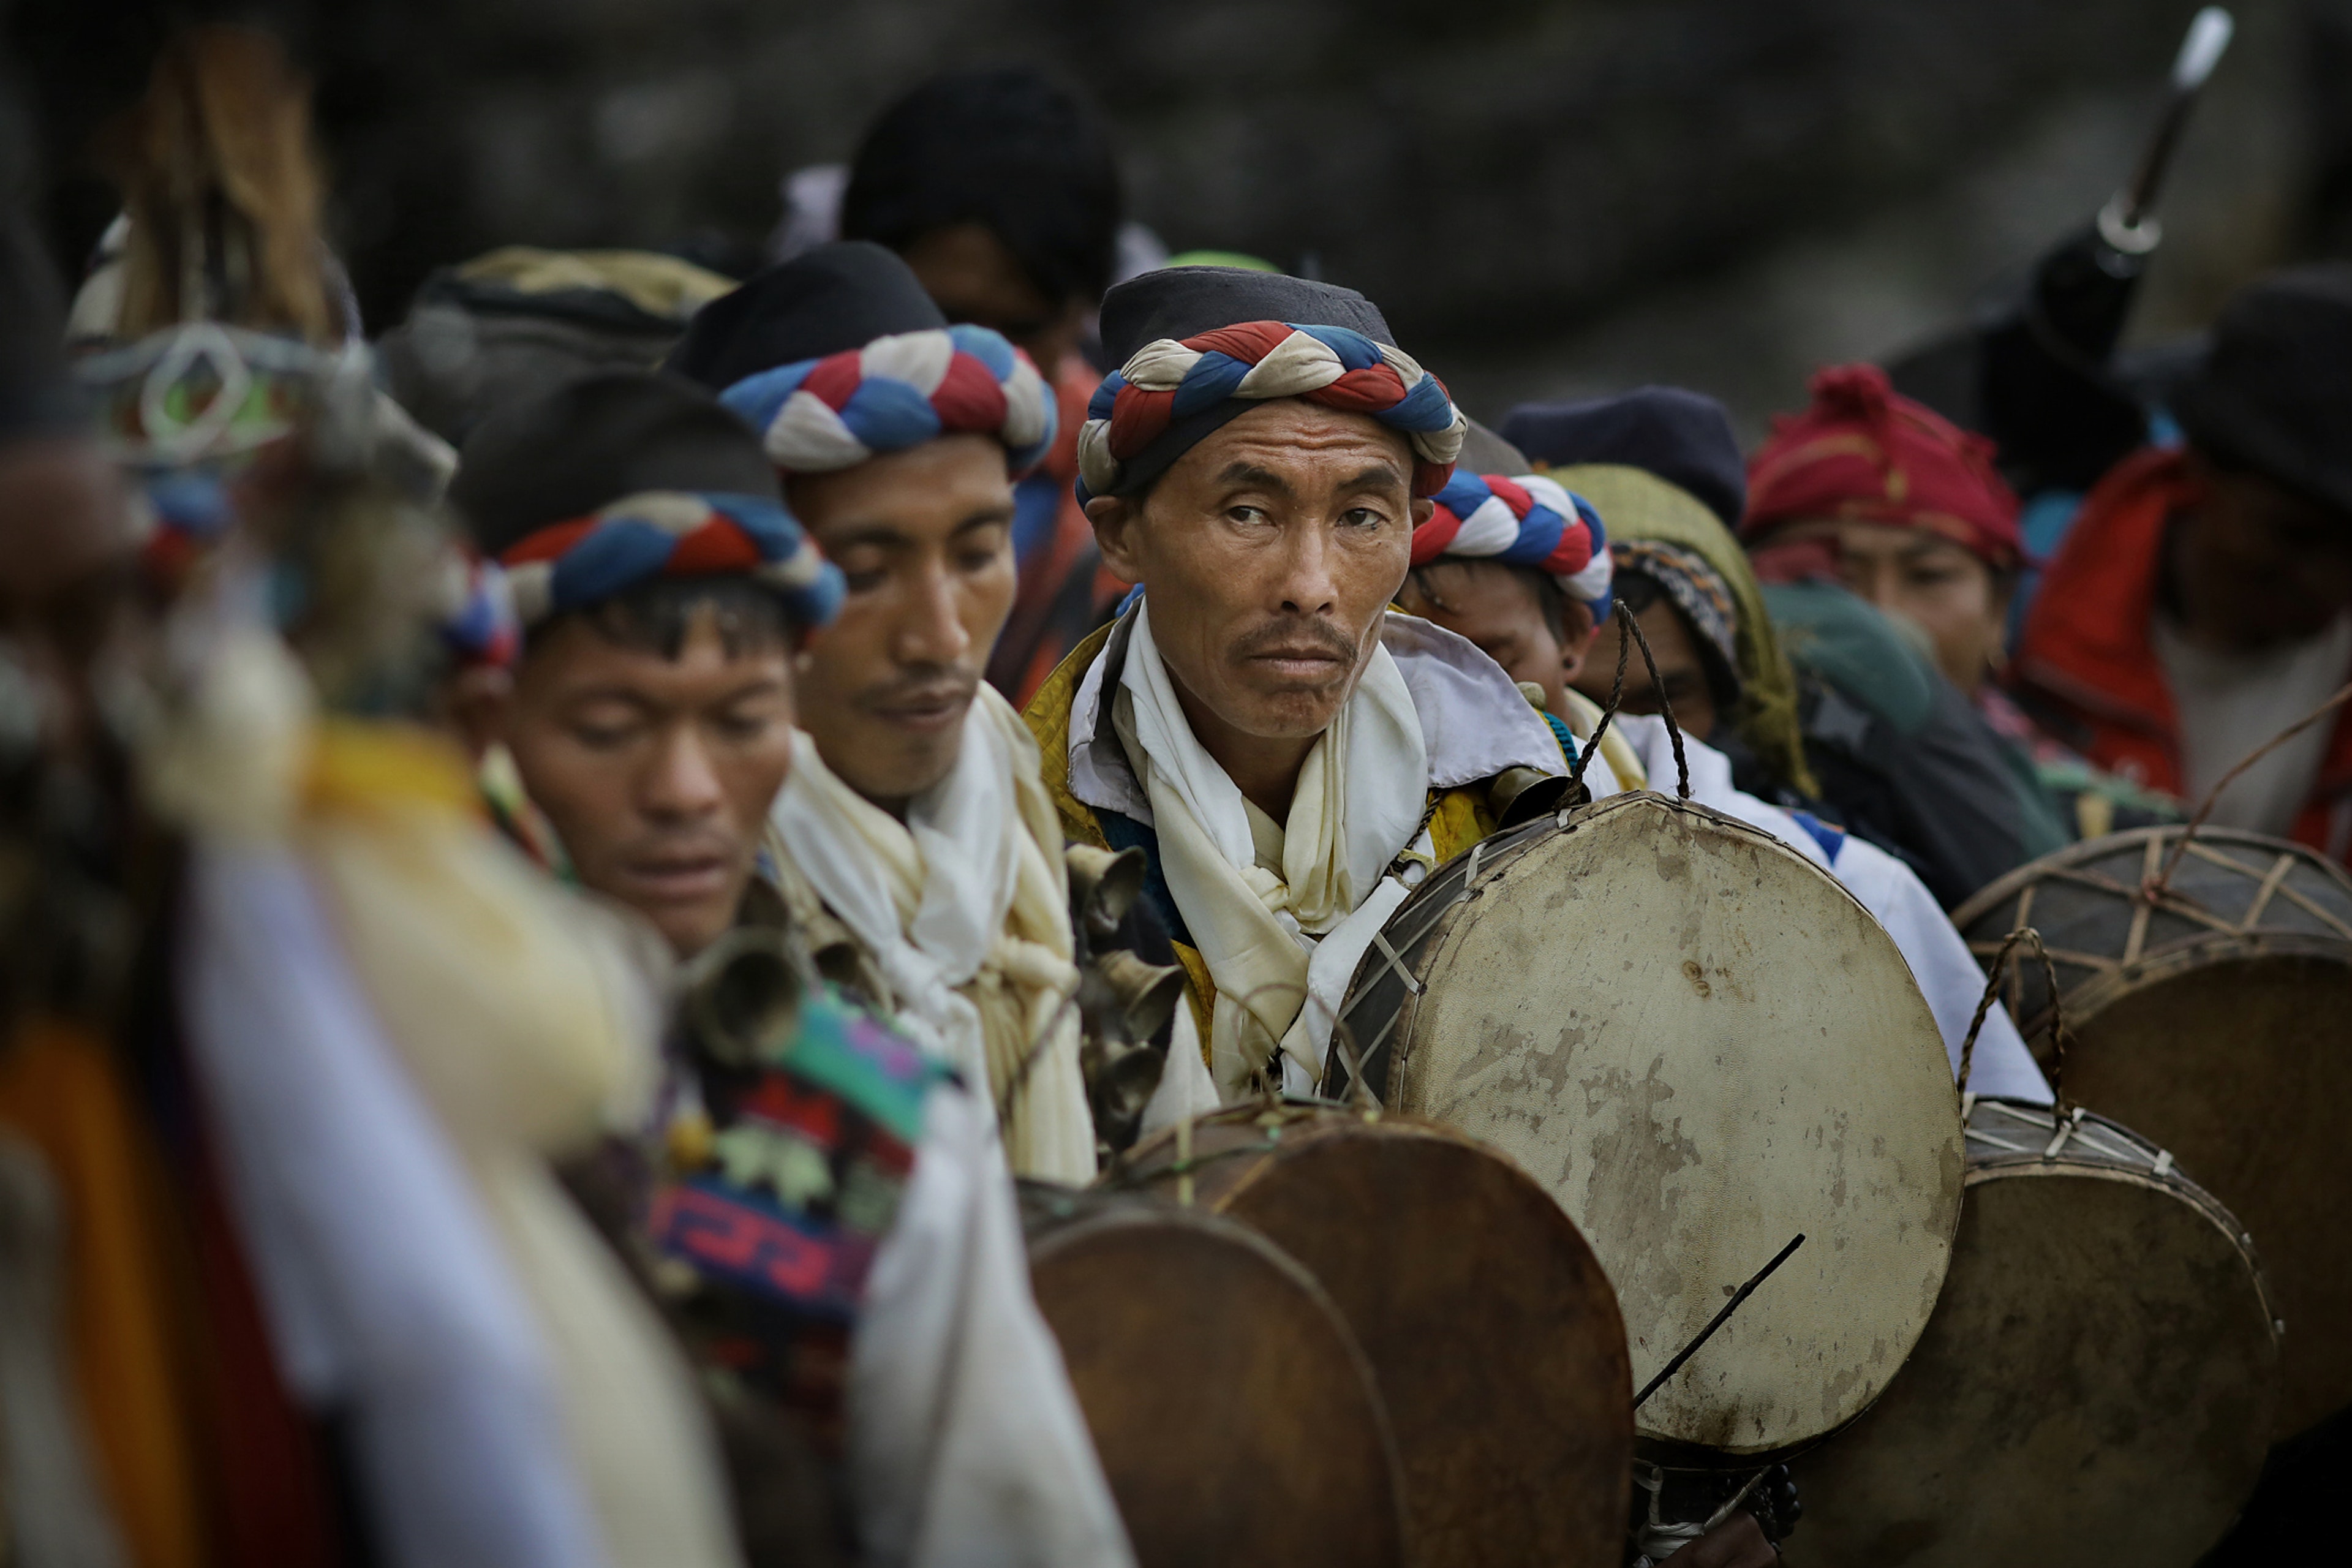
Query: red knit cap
(1864,453)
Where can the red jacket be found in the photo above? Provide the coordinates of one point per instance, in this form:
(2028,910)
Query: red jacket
(2088,652)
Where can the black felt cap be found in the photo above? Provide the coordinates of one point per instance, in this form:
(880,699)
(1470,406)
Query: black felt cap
(1180,301)
(822,301)
(571,451)
(2275,391)
(1682,436)
(1183,301)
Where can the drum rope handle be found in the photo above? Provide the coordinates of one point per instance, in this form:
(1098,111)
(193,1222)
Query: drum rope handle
(1665,709)
(1591,748)
(2059,1036)
(2155,886)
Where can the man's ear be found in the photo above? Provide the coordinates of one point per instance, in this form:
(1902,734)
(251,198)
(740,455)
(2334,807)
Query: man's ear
(479,701)
(1577,646)
(1115,519)
(1424,508)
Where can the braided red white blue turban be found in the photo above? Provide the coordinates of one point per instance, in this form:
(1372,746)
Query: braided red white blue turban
(670,533)
(1166,382)
(820,416)
(1527,521)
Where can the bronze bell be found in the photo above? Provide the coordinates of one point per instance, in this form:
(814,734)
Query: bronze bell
(1104,885)
(743,996)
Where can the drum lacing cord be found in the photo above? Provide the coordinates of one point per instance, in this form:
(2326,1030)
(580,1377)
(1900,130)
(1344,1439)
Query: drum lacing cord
(2155,886)
(2059,1036)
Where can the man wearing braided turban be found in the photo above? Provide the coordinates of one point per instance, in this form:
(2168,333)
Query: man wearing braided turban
(826,1183)
(1291,754)
(916,844)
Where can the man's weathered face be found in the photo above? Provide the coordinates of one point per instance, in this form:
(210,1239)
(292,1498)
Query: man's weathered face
(1681,674)
(2254,564)
(1270,550)
(1496,608)
(1944,588)
(924,540)
(657,773)
(972,276)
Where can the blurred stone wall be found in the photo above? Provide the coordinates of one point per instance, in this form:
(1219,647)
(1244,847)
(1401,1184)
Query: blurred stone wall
(1546,196)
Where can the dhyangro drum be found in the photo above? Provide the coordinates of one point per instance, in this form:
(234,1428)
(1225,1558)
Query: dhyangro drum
(2214,1017)
(1699,1043)
(2097,1384)
(1236,1417)
(1492,1331)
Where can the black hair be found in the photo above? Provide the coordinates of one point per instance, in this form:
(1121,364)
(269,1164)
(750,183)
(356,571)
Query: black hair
(654,616)
(1552,602)
(1007,147)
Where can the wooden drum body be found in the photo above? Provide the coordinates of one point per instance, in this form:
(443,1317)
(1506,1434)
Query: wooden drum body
(1236,1418)
(2098,1382)
(2218,1023)
(1492,1332)
(1700,1044)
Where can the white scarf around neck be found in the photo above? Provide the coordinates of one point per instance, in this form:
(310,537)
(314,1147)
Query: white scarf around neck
(961,900)
(1280,948)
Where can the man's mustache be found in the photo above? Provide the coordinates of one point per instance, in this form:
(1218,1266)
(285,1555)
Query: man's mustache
(922,688)
(1290,636)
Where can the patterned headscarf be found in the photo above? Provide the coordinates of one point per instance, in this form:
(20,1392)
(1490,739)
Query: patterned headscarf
(821,415)
(670,533)
(1527,521)
(1702,596)
(1167,381)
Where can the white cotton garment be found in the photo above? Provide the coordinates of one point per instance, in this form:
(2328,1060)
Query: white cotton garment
(387,1292)
(965,909)
(2230,703)
(1281,948)
(1947,973)
(967,1448)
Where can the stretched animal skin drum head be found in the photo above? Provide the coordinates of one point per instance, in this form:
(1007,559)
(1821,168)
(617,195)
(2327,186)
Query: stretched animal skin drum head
(1236,1419)
(1490,1326)
(2098,1385)
(1701,1046)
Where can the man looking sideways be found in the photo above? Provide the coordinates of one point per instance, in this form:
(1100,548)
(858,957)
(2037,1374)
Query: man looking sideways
(1290,754)
(920,853)
(834,1199)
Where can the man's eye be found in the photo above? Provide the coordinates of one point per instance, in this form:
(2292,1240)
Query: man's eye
(864,581)
(746,724)
(1246,513)
(1362,517)
(606,736)
(973,563)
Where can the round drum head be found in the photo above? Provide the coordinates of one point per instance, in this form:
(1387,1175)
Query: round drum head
(1701,1046)
(1235,1417)
(1491,1328)
(2097,1386)
(2217,1025)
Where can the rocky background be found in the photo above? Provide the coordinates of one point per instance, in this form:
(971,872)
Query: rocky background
(1547,196)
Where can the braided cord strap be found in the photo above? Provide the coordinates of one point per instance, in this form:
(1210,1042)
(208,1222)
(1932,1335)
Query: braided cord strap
(670,533)
(821,415)
(1165,381)
(1530,521)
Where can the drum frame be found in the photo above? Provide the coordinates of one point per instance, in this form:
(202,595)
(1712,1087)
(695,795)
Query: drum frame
(2103,980)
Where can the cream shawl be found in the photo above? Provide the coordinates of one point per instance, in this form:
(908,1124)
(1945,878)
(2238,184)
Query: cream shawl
(1280,945)
(964,909)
